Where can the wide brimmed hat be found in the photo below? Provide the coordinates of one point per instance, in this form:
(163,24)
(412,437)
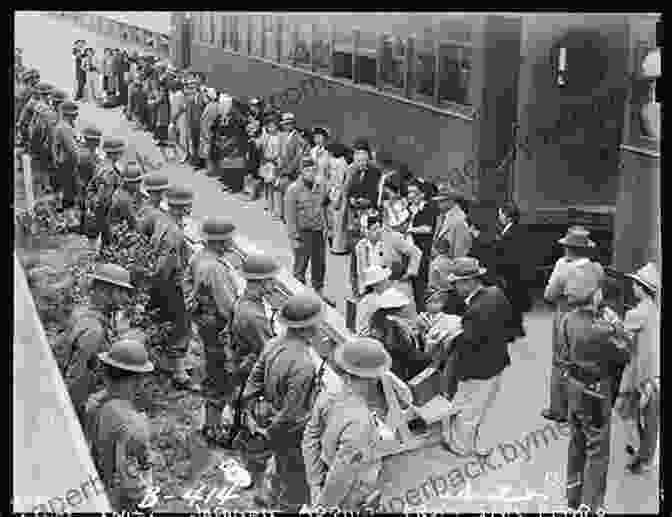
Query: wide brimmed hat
(301,310)
(132,173)
(287,118)
(375,274)
(259,267)
(217,229)
(363,357)
(156,182)
(577,237)
(128,354)
(44,88)
(70,109)
(114,145)
(647,276)
(92,133)
(113,274)
(463,268)
(179,196)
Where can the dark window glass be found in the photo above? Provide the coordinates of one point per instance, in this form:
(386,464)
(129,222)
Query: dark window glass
(455,69)
(343,65)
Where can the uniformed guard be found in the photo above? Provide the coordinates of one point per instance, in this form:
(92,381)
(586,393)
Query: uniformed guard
(127,199)
(211,301)
(577,245)
(52,117)
(35,128)
(167,292)
(590,352)
(155,185)
(66,156)
(91,329)
(344,427)
(105,181)
(26,104)
(118,433)
(285,376)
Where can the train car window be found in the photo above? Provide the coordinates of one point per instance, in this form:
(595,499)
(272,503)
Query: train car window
(255,35)
(224,40)
(213,27)
(301,43)
(424,70)
(454,73)
(392,63)
(234,34)
(321,47)
(342,54)
(270,43)
(367,56)
(286,35)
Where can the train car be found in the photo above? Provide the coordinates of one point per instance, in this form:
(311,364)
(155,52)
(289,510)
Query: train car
(517,107)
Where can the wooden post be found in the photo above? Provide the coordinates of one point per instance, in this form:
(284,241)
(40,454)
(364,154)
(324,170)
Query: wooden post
(356,34)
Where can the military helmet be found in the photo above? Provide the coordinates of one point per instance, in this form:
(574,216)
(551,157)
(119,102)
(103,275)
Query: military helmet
(114,145)
(217,229)
(259,267)
(128,354)
(179,196)
(363,357)
(92,133)
(70,109)
(44,88)
(58,96)
(156,182)
(132,173)
(301,310)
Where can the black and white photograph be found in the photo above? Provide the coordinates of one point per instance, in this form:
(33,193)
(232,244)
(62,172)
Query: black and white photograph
(322,261)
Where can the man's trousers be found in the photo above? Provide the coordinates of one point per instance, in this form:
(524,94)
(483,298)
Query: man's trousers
(313,250)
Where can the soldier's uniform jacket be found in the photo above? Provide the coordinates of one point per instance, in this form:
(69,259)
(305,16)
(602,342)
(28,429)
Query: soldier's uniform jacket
(66,145)
(148,216)
(285,376)
(119,437)
(100,189)
(293,149)
(27,112)
(21,98)
(124,207)
(251,330)
(214,290)
(36,126)
(173,252)
(88,163)
(89,332)
(338,450)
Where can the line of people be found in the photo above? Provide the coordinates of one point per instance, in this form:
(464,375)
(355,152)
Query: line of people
(285,380)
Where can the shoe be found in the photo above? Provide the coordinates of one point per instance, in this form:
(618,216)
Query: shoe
(549,415)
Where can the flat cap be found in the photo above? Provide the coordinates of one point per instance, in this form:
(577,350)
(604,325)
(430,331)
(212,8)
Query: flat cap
(301,310)
(179,196)
(156,182)
(259,267)
(217,229)
(69,108)
(92,133)
(114,145)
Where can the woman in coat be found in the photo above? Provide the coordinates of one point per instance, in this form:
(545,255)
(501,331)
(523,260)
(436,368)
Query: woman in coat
(339,165)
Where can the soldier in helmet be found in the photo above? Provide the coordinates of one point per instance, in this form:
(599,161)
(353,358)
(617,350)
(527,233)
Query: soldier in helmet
(211,300)
(51,119)
(127,199)
(286,377)
(119,435)
(66,156)
(591,348)
(36,130)
(26,104)
(91,330)
(105,181)
(167,292)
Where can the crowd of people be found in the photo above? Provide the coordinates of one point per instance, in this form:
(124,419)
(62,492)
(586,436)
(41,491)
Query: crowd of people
(422,299)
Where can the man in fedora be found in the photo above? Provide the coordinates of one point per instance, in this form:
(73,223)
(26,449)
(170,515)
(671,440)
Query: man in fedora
(452,234)
(152,211)
(119,435)
(292,150)
(167,294)
(89,330)
(590,352)
(577,245)
(66,159)
(638,400)
(126,200)
(211,298)
(286,377)
(340,438)
(101,187)
(482,356)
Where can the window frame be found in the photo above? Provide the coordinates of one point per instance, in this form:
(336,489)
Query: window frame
(461,45)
